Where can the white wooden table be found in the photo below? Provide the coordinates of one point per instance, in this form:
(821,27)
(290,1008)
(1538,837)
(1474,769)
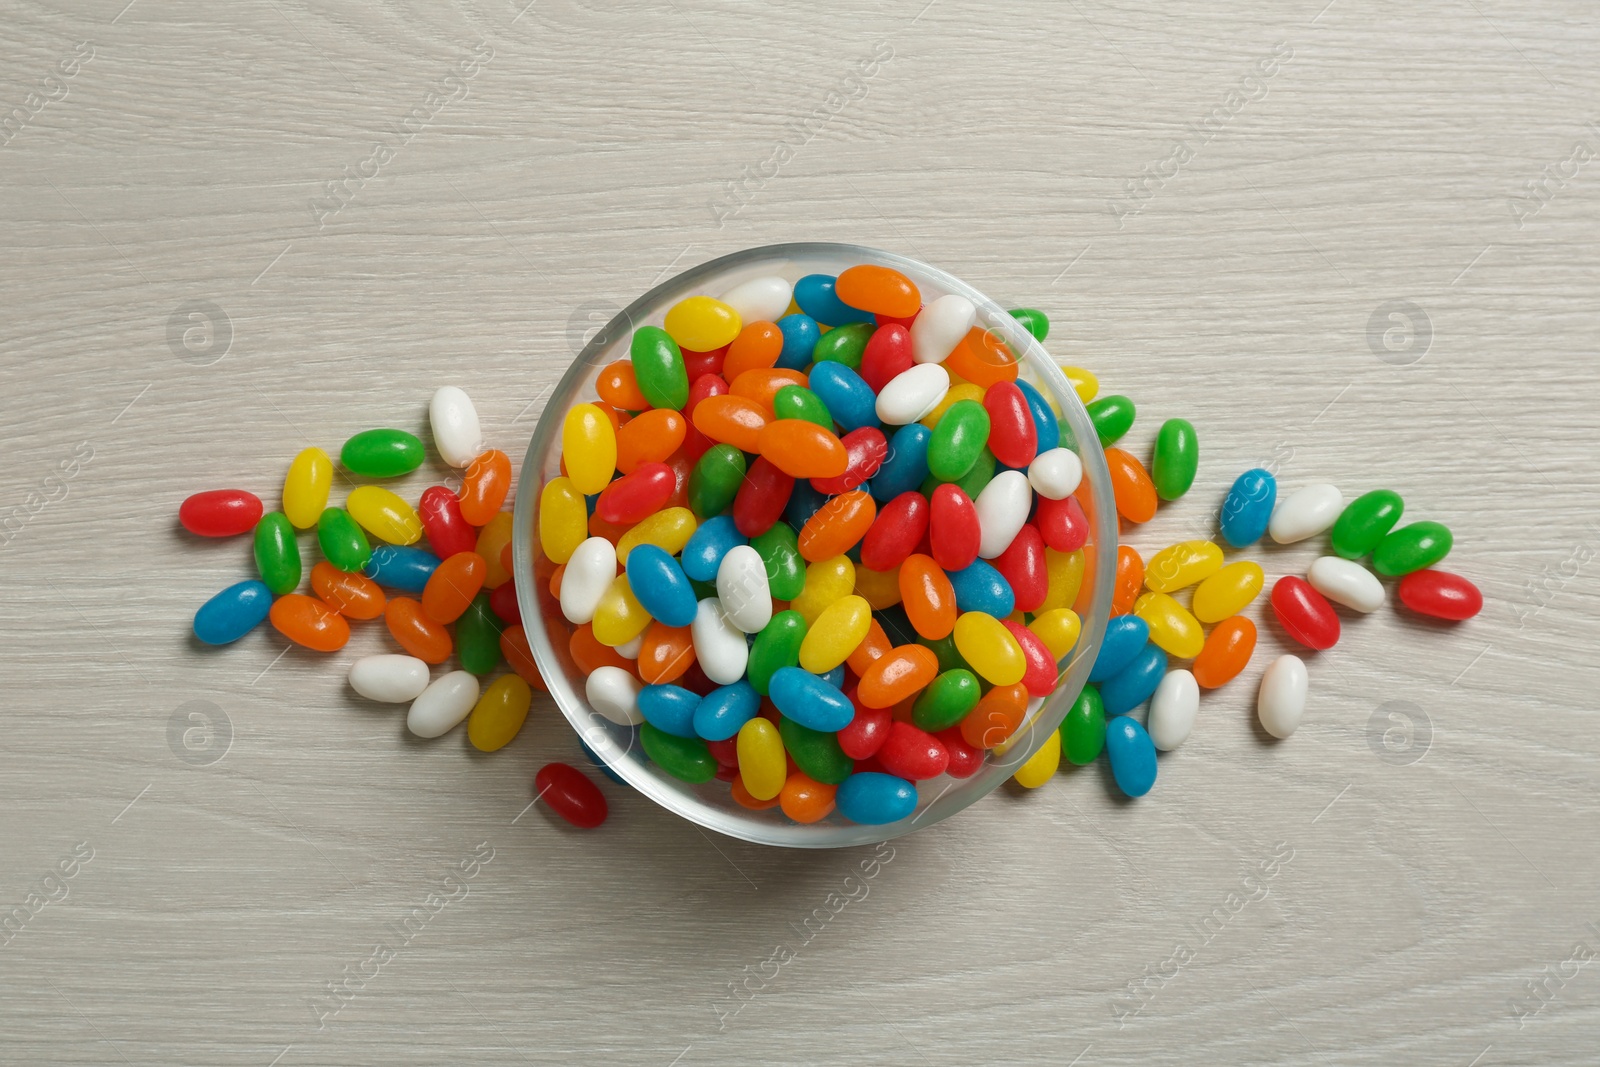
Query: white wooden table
(1355,244)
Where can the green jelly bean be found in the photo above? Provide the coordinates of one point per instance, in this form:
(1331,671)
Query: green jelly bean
(382,453)
(945,649)
(776,646)
(1411,548)
(1037,322)
(844,344)
(1176,459)
(1112,417)
(685,758)
(798,402)
(658,368)
(341,540)
(715,481)
(478,636)
(958,440)
(1083,731)
(277,555)
(779,549)
(1365,521)
(946,701)
(703,590)
(816,753)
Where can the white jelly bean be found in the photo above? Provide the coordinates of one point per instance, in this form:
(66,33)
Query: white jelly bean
(742,587)
(590,570)
(759,299)
(1282,698)
(1056,473)
(1305,513)
(630,649)
(912,394)
(1002,510)
(719,646)
(940,326)
(614,693)
(443,704)
(457,433)
(1173,709)
(1344,581)
(392,679)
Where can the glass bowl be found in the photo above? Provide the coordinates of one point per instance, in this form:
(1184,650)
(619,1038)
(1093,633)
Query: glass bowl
(711,804)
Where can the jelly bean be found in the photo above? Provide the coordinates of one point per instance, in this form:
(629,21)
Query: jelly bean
(351,595)
(1062,523)
(618,387)
(1059,629)
(875,799)
(958,391)
(974,481)
(881,290)
(715,481)
(1227,650)
(499,713)
(761,761)
(277,555)
(1040,676)
(1135,683)
(669,530)
(415,631)
(702,323)
(806,800)
(478,637)
(1112,417)
(719,647)
(457,433)
(896,676)
(997,717)
(799,402)
(1083,382)
(1281,701)
(1365,521)
(665,653)
(382,453)
(1002,510)
(504,603)
(826,581)
(990,648)
(614,693)
(590,655)
(946,701)
(306,487)
(776,646)
(670,708)
(1083,731)
(1173,710)
(1023,567)
(445,527)
(570,794)
(1247,510)
(1181,565)
(762,298)
(1304,613)
(835,634)
(734,421)
(838,527)
(912,394)
(847,398)
(802,449)
(232,613)
(589,574)
(809,700)
(1132,755)
(1172,628)
(588,448)
(389,679)
(711,541)
(220,512)
(492,541)
(1305,513)
(815,752)
(896,532)
(1046,428)
(723,713)
(1344,581)
(953,528)
(912,754)
(563,519)
(1040,767)
(905,464)
(965,761)
(800,336)
(1134,493)
(929,597)
(684,758)
(658,368)
(1012,436)
(1411,548)
(872,648)
(1055,474)
(761,499)
(1035,322)
(757,347)
(887,355)
(941,326)
(980,587)
(650,437)
(619,617)
(846,345)
(742,589)
(817,296)
(1177,458)
(405,569)
(441,707)
(309,622)
(1065,570)
(958,440)
(1440,594)
(779,549)
(634,497)
(865,452)
(384,515)
(982,358)
(1229,591)
(804,501)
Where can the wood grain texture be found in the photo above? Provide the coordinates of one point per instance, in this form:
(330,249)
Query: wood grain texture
(1380,161)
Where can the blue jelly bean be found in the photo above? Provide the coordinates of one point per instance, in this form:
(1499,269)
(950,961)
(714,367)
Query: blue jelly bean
(712,540)
(805,500)
(1044,420)
(809,700)
(906,465)
(661,586)
(1135,683)
(1125,636)
(605,768)
(233,613)
(834,677)
(589,503)
(1248,507)
(980,587)
(669,708)
(1132,755)
(873,799)
(816,297)
(402,568)
(800,336)
(850,401)
(722,711)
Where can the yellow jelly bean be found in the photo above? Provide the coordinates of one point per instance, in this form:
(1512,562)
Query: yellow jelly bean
(384,515)
(1172,628)
(563,519)
(1229,591)
(761,762)
(1083,382)
(492,539)
(965,391)
(668,529)
(1058,628)
(881,588)
(826,581)
(1041,766)
(838,630)
(619,617)
(1064,570)
(990,648)
(305,488)
(499,713)
(589,445)
(701,324)
(1180,565)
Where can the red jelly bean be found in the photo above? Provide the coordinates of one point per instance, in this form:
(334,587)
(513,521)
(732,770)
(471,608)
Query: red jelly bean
(571,795)
(891,320)
(1304,613)
(503,602)
(1062,523)
(895,532)
(888,354)
(866,733)
(865,450)
(726,753)
(1012,436)
(1040,678)
(220,512)
(447,531)
(1022,565)
(964,759)
(953,533)
(699,363)
(762,496)
(1440,594)
(695,443)
(634,497)
(912,753)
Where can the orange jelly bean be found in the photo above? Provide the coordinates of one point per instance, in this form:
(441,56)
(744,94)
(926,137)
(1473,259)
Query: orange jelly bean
(618,387)
(837,526)
(491,540)
(665,653)
(1135,493)
(1226,651)
(452,585)
(733,420)
(905,711)
(879,290)
(804,799)
(354,596)
(997,716)
(897,675)
(982,358)
(611,531)
(743,797)
(651,437)
(555,580)
(590,655)
(514,647)
(880,589)
(1130,580)
(762,386)
(873,646)
(927,596)
(803,449)
(309,622)
(484,489)
(418,634)
(756,348)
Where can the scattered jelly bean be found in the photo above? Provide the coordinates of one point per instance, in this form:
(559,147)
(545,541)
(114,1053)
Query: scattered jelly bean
(1181,565)
(352,595)
(1112,417)
(1411,548)
(1124,638)
(493,540)
(1132,755)
(382,453)
(1281,701)
(1344,581)
(1173,710)
(1365,521)
(571,795)
(1135,683)
(306,487)
(1247,510)
(838,526)
(1040,767)
(341,541)
(441,707)
(658,368)
(384,515)
(498,714)
(1083,731)
(1172,628)
(719,646)
(443,523)
(405,569)
(416,632)
(232,613)
(1440,594)
(1304,613)
(875,799)
(478,637)
(389,679)
(277,554)
(1177,458)
(309,622)
(614,693)
(1305,513)
(1228,591)
(817,296)
(220,513)
(1227,650)
(457,433)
